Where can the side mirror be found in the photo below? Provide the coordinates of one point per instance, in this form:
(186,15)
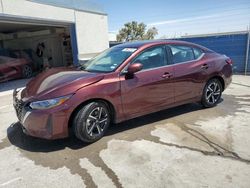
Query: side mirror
(133,68)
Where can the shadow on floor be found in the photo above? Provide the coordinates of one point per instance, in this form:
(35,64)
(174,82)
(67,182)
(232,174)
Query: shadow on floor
(28,143)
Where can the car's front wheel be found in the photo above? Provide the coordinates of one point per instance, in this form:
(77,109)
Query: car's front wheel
(91,122)
(27,71)
(211,93)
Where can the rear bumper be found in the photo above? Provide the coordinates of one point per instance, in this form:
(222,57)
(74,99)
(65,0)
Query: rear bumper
(41,123)
(228,81)
(227,76)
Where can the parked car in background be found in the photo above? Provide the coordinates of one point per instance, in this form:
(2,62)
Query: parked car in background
(28,54)
(12,68)
(123,82)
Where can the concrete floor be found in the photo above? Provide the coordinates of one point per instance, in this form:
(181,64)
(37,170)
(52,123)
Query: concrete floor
(187,146)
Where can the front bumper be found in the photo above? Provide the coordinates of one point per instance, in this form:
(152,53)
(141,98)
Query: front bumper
(41,123)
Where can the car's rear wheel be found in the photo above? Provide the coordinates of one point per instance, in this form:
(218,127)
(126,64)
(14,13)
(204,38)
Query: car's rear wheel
(91,122)
(211,93)
(27,71)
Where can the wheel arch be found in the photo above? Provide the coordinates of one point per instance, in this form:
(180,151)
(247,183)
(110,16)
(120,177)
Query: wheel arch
(108,103)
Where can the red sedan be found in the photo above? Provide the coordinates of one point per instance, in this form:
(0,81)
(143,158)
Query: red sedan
(11,68)
(123,82)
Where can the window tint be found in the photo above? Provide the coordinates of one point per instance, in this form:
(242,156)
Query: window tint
(151,58)
(197,53)
(181,53)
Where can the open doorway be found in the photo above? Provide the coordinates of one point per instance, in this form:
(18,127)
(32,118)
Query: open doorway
(27,49)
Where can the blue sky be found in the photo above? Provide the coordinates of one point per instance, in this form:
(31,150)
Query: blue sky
(175,18)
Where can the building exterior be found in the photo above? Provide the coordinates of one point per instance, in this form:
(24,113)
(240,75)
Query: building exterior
(24,24)
(112,37)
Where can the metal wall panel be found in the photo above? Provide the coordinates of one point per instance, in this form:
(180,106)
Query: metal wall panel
(233,46)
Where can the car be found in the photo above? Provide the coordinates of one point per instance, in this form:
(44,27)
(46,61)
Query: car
(14,68)
(124,82)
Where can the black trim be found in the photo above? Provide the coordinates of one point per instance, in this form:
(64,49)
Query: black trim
(169,55)
(49,125)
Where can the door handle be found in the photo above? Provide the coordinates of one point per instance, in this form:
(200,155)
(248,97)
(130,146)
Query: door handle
(204,66)
(167,75)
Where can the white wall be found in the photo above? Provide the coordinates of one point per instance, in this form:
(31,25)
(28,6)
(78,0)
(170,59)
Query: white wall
(91,29)
(112,36)
(1,8)
(92,34)
(30,9)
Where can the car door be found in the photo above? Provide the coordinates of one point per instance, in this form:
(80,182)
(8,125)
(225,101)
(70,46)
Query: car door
(189,72)
(150,89)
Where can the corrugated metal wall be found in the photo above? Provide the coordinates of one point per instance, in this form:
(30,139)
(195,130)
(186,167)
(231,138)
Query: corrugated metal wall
(232,45)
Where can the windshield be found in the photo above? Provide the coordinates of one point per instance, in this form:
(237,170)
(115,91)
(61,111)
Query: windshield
(109,60)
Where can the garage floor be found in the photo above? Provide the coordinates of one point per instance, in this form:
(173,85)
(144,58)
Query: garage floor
(187,146)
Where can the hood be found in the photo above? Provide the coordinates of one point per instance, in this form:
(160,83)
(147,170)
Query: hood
(58,82)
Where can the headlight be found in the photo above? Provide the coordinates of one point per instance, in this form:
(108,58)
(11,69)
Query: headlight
(46,104)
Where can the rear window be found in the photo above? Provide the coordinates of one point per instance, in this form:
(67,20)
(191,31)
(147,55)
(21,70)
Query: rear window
(181,53)
(197,53)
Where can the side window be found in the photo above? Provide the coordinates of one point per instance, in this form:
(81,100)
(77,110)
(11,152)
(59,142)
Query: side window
(152,58)
(197,53)
(181,53)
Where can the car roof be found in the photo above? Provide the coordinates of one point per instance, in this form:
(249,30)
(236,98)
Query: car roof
(139,44)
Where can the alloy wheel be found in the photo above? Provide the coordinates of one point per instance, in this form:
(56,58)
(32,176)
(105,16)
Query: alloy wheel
(27,71)
(97,121)
(213,92)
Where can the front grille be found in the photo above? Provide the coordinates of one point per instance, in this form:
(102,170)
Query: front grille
(19,105)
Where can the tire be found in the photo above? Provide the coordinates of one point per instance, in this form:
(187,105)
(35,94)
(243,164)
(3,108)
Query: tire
(211,93)
(27,71)
(91,122)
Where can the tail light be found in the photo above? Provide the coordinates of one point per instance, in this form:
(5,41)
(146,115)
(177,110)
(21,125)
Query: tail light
(229,61)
